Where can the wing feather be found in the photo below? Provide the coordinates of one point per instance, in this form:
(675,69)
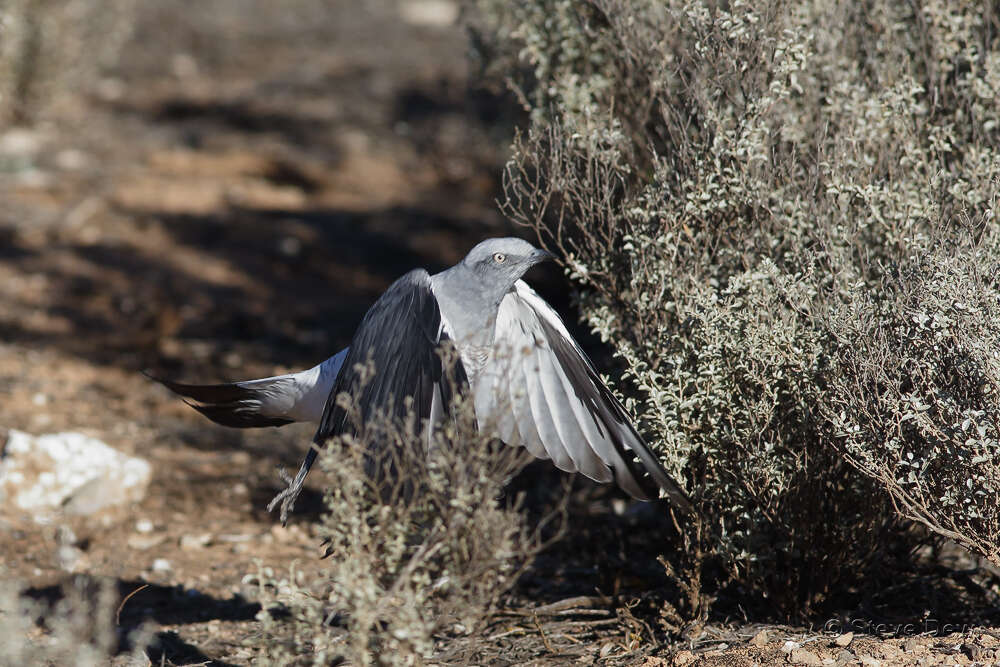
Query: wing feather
(400,335)
(520,405)
(568,413)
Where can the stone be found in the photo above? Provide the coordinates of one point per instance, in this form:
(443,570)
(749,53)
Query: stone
(195,542)
(430,13)
(67,472)
(683,658)
(846,658)
(759,639)
(20,142)
(974,652)
(143,542)
(844,639)
(801,656)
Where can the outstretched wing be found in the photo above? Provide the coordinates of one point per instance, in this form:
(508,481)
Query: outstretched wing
(540,391)
(272,401)
(400,335)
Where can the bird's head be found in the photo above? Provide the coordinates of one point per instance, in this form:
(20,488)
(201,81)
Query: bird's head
(502,262)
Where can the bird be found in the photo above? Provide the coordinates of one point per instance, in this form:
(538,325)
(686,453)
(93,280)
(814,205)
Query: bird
(528,379)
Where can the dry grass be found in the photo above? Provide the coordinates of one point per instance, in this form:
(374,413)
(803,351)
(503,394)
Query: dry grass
(419,538)
(78,627)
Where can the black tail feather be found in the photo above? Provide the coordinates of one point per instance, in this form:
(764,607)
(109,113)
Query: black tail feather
(230,404)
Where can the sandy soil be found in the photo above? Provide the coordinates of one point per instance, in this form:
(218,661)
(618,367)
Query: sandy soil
(227,205)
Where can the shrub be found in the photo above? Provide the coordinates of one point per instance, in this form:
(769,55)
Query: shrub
(726,182)
(918,391)
(414,556)
(78,628)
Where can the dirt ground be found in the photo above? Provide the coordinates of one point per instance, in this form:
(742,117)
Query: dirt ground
(226,205)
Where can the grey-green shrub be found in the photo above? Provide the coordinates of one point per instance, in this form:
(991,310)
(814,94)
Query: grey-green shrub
(722,179)
(916,397)
(420,546)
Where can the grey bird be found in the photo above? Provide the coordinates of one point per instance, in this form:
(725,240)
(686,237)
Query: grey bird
(528,378)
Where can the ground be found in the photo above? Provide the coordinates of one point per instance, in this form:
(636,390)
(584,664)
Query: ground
(227,204)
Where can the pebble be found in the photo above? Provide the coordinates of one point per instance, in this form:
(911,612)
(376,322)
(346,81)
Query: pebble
(683,658)
(69,558)
(790,646)
(194,542)
(144,542)
(801,656)
(161,565)
(974,652)
(760,639)
(844,639)
(429,13)
(846,658)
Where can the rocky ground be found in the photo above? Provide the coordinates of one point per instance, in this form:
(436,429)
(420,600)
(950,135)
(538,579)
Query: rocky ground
(226,204)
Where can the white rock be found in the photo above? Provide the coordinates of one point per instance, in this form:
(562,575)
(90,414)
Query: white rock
(20,142)
(68,472)
(194,542)
(430,13)
(69,558)
(790,646)
(143,542)
(71,159)
(161,565)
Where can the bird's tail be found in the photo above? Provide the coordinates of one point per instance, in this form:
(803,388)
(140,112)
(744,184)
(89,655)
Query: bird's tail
(271,401)
(237,404)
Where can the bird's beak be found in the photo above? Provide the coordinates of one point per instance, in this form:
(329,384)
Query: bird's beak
(541,256)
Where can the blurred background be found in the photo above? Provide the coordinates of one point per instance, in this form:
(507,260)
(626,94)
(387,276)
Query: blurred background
(244,173)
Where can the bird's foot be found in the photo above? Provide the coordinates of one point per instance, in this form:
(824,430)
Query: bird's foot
(288,496)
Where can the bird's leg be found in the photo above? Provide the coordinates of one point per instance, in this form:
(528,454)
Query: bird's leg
(288,496)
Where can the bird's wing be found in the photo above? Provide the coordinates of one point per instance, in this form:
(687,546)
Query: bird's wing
(400,335)
(271,401)
(540,391)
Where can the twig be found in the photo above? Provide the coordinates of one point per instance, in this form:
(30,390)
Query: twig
(592,624)
(581,601)
(118,614)
(513,631)
(545,640)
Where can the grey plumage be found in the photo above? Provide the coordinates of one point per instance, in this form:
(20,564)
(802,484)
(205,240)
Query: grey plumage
(530,381)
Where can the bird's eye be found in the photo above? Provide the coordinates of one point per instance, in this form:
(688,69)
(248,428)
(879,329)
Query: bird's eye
(499,257)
